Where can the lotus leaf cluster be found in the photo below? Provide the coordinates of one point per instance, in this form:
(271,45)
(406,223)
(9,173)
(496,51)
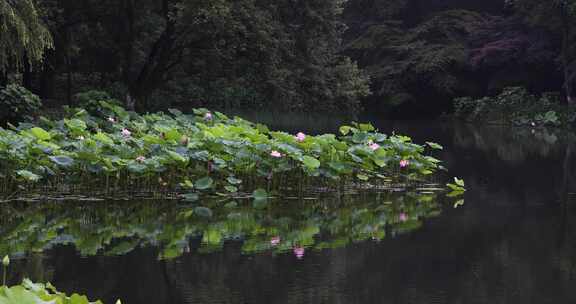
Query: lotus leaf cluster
(109,149)
(29,292)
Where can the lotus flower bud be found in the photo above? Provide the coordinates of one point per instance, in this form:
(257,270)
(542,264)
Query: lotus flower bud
(6,261)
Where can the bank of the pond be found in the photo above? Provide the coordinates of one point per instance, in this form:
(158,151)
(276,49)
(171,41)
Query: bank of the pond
(107,149)
(516,106)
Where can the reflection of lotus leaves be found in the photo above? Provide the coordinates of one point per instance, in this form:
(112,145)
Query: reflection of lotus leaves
(114,229)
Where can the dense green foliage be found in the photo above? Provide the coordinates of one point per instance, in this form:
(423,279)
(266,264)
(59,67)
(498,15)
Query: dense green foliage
(18,103)
(516,106)
(112,149)
(23,37)
(403,61)
(158,53)
(288,55)
(421,54)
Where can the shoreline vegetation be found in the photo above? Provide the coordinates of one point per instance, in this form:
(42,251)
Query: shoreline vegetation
(103,149)
(516,106)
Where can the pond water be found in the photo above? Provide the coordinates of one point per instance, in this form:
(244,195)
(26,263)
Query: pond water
(513,241)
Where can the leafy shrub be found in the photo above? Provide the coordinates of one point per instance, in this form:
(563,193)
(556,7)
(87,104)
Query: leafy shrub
(515,105)
(18,103)
(98,103)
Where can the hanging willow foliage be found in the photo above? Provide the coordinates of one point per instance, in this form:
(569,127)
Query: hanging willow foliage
(23,36)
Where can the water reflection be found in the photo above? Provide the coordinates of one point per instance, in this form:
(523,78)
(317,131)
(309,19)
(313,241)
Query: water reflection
(158,234)
(119,228)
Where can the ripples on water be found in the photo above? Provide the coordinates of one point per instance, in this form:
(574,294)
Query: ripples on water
(514,241)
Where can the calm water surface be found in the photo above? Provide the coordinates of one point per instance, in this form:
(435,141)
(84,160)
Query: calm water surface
(514,240)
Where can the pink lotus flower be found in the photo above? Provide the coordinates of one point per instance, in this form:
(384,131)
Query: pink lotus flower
(299,252)
(126,133)
(404,163)
(300,137)
(111,119)
(276,154)
(208,116)
(275,241)
(403,217)
(140,159)
(374,146)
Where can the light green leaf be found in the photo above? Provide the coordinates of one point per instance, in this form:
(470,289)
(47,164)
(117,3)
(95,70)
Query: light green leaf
(190,197)
(311,162)
(231,189)
(260,194)
(366,127)
(29,175)
(434,145)
(103,138)
(344,130)
(62,160)
(204,183)
(234,181)
(40,134)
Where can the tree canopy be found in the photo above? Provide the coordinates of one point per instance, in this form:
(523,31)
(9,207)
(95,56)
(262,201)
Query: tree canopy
(288,54)
(23,36)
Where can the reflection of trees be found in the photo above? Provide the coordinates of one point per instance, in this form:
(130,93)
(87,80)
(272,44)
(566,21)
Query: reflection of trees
(530,162)
(513,145)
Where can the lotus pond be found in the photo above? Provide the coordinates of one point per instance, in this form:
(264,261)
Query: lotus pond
(508,239)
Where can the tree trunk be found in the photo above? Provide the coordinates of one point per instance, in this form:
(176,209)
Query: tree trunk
(68,81)
(3,79)
(130,102)
(128,49)
(48,78)
(569,73)
(156,65)
(27,76)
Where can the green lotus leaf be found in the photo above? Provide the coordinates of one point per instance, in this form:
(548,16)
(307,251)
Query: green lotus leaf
(191,197)
(204,183)
(260,194)
(203,211)
(28,175)
(311,162)
(40,134)
(62,160)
